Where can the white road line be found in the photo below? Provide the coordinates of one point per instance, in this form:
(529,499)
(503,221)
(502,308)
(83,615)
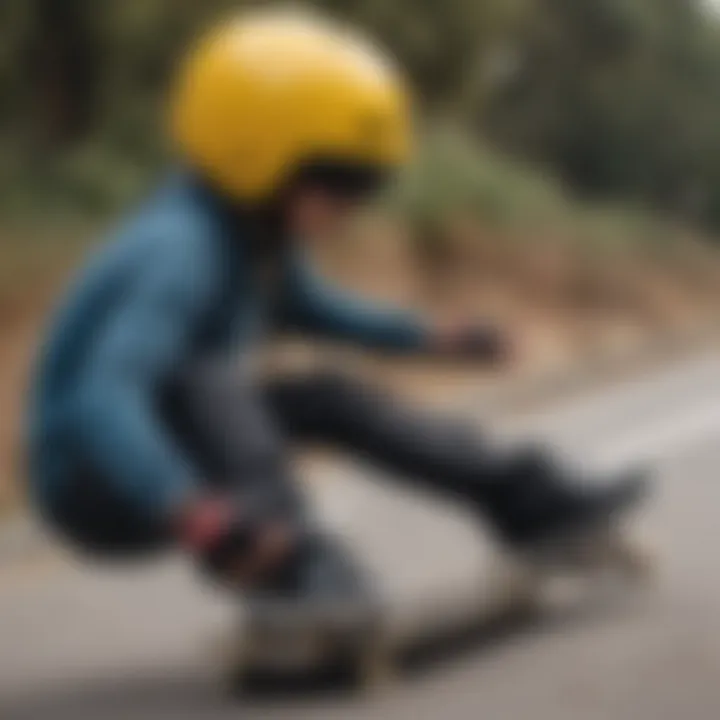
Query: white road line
(645,420)
(662,438)
(627,400)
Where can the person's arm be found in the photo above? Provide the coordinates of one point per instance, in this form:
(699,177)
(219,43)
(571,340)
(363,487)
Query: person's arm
(315,306)
(137,351)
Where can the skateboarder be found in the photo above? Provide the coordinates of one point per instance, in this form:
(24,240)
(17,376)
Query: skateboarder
(145,434)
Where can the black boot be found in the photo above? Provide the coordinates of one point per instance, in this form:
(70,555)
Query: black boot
(534,500)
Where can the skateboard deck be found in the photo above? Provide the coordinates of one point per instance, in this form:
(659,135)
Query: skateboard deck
(437,575)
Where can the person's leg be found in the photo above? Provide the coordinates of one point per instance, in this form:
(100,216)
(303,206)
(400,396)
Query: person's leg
(349,414)
(222,419)
(525,493)
(219,416)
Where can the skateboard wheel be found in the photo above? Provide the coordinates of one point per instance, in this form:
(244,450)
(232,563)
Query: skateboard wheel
(375,668)
(635,562)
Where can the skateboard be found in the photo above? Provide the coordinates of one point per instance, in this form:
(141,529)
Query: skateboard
(365,646)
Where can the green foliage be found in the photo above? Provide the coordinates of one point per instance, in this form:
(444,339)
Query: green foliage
(452,176)
(619,98)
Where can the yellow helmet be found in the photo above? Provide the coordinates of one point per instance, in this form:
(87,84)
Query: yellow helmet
(270,91)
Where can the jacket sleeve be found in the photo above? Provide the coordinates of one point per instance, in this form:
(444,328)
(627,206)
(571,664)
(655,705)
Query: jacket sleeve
(137,351)
(313,305)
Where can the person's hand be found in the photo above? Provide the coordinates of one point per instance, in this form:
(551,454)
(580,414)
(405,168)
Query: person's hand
(233,547)
(474,341)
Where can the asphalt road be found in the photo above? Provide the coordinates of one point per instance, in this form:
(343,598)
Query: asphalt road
(91,644)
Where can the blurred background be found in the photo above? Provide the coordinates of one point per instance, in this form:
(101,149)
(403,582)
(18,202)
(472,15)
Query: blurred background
(567,180)
(566,185)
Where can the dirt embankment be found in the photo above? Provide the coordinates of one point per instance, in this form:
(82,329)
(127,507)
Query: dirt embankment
(564,303)
(31,277)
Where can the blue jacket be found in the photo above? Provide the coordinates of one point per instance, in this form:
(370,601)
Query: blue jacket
(173,286)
